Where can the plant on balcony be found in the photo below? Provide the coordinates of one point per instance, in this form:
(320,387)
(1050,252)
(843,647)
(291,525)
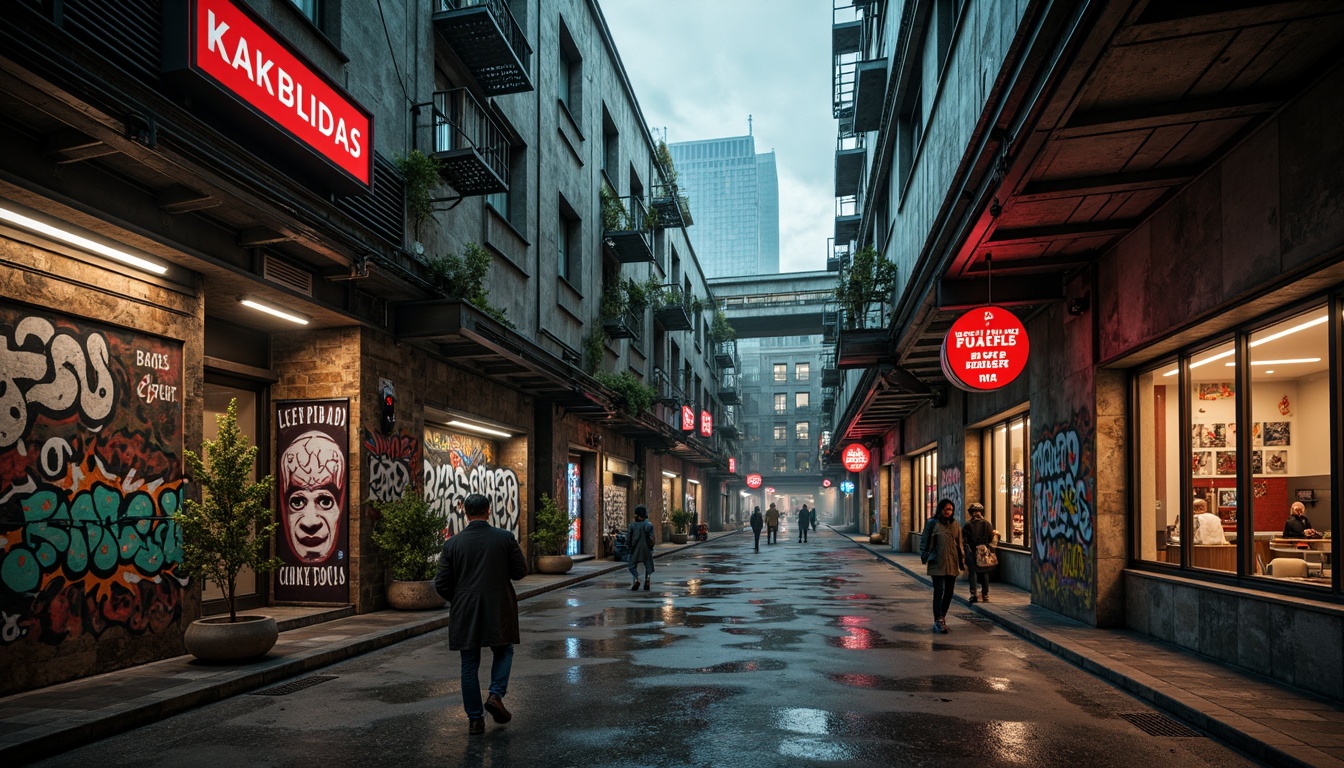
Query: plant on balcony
(663,156)
(668,296)
(421,174)
(868,281)
(594,349)
(613,210)
(639,295)
(464,277)
(720,329)
(636,397)
(697,305)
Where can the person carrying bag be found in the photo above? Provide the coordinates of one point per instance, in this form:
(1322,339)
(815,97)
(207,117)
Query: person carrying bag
(981,542)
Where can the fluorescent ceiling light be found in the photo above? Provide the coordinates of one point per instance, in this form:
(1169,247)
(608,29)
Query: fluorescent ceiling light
(693,482)
(1280,362)
(1312,323)
(283,314)
(669,474)
(478,428)
(34,225)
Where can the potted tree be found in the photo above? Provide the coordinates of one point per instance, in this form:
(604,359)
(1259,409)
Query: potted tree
(679,519)
(410,535)
(224,532)
(549,537)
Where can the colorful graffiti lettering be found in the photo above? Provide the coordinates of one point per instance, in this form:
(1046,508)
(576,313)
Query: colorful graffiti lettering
(393,461)
(1064,516)
(90,462)
(456,466)
(949,487)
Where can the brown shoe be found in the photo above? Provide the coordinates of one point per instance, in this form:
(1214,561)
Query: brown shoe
(973,597)
(634,586)
(476,726)
(984,598)
(495,706)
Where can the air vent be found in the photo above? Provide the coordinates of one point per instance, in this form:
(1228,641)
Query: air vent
(1154,724)
(287,275)
(294,685)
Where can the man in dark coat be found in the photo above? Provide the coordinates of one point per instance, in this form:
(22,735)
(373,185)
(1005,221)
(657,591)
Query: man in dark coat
(757,522)
(639,537)
(475,572)
(804,520)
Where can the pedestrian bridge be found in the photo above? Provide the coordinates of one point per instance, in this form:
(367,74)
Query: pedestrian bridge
(789,304)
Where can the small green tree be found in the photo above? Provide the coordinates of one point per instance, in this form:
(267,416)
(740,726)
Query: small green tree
(229,528)
(720,329)
(869,279)
(679,519)
(552,529)
(663,156)
(421,174)
(410,534)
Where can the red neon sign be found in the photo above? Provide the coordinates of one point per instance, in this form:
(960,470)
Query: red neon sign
(236,50)
(753,481)
(732,465)
(826,482)
(985,349)
(706,424)
(855,458)
(687,418)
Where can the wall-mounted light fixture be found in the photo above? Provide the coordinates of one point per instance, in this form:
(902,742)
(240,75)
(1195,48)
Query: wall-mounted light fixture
(478,428)
(253,302)
(22,221)
(1079,305)
(693,482)
(669,474)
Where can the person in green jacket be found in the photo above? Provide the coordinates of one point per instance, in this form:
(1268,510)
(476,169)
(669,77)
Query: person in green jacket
(941,550)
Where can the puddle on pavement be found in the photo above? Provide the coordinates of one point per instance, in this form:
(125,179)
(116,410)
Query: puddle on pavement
(862,639)
(665,615)
(733,667)
(410,691)
(925,683)
(583,648)
(770,639)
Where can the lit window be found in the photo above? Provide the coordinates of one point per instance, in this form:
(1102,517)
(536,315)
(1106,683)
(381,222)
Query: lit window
(1006,477)
(802,371)
(781,372)
(800,430)
(781,403)
(800,400)
(781,432)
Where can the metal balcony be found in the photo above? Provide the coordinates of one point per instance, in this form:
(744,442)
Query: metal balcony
(847,217)
(837,255)
(671,208)
(625,229)
(473,152)
(849,163)
(870,91)
(672,310)
(624,326)
(485,36)
(725,354)
(729,392)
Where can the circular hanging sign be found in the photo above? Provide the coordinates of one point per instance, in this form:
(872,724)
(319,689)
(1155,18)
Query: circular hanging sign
(847,486)
(985,349)
(826,482)
(753,481)
(855,458)
(769,490)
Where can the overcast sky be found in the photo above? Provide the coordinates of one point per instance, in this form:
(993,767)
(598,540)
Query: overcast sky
(699,67)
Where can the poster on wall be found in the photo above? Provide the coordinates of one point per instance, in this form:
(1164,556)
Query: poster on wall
(313,473)
(458,465)
(91,441)
(574,492)
(613,508)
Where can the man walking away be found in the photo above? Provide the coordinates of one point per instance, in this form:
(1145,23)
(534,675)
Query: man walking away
(804,520)
(475,571)
(977,531)
(772,525)
(639,537)
(812,515)
(757,522)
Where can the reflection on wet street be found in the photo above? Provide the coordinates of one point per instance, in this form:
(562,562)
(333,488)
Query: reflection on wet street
(801,654)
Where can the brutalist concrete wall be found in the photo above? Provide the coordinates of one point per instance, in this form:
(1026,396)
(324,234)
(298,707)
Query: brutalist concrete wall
(101,390)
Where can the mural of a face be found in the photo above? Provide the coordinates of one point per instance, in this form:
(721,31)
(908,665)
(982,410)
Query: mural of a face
(312,476)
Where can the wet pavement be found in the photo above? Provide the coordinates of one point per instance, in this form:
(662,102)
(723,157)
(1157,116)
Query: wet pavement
(803,654)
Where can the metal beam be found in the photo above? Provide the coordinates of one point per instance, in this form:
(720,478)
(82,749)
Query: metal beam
(1007,291)
(1104,184)
(1056,232)
(1148,116)
(257,236)
(71,146)
(183,199)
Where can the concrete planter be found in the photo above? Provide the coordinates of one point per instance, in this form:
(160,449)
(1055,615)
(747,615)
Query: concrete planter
(677,538)
(554,564)
(216,639)
(413,596)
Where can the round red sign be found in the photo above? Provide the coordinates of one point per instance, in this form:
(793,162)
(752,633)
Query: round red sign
(985,349)
(753,481)
(826,482)
(855,458)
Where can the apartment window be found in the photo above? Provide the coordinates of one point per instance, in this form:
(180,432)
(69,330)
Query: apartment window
(802,371)
(506,203)
(1006,476)
(781,462)
(800,400)
(802,462)
(567,244)
(781,432)
(781,372)
(923,488)
(569,85)
(611,147)
(800,431)
(781,403)
(312,9)
(1282,455)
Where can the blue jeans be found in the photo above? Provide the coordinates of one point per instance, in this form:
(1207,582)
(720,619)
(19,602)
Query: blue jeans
(634,568)
(471,684)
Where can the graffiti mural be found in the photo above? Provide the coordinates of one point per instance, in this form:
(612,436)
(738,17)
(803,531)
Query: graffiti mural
(949,487)
(313,443)
(394,461)
(1064,517)
(456,466)
(614,501)
(91,440)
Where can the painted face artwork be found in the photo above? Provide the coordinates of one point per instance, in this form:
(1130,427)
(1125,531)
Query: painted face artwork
(312,474)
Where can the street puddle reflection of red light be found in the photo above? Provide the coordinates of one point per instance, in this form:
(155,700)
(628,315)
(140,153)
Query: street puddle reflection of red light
(858,680)
(851,621)
(855,596)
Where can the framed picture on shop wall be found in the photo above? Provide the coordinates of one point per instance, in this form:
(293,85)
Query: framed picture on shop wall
(1257,462)
(1276,462)
(1201,463)
(1227,497)
(1226,462)
(1278,433)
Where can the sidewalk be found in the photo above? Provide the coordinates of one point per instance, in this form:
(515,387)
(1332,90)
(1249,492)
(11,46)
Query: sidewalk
(45,722)
(1270,721)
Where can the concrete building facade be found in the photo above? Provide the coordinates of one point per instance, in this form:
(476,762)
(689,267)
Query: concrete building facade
(735,193)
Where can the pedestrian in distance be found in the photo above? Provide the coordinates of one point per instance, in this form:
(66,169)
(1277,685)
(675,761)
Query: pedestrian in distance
(804,520)
(476,570)
(940,549)
(978,531)
(639,537)
(772,525)
(757,522)
(813,516)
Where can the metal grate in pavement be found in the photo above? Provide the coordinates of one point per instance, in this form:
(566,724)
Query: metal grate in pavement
(1154,724)
(294,685)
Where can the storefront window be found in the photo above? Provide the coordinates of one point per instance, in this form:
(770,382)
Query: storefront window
(1210,515)
(574,485)
(923,488)
(1157,432)
(1005,473)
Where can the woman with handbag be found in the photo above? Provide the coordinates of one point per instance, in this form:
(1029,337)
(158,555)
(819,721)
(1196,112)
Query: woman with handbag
(940,549)
(980,539)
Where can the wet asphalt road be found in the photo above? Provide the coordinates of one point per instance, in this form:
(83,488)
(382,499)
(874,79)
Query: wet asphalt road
(801,655)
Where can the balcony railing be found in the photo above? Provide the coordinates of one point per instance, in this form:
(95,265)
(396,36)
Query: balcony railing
(671,208)
(725,354)
(473,152)
(847,217)
(626,225)
(672,309)
(729,392)
(837,255)
(623,326)
(488,40)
